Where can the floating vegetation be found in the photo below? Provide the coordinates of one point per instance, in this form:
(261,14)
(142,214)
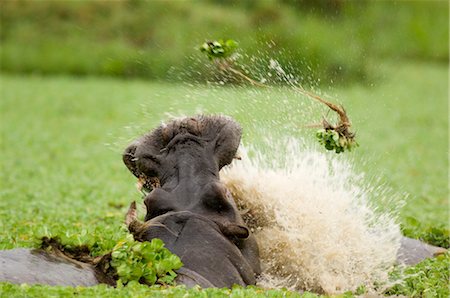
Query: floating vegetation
(148,262)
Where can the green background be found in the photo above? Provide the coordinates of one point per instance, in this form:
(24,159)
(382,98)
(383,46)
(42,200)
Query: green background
(81,79)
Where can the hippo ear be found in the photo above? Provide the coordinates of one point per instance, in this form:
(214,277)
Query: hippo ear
(227,140)
(234,230)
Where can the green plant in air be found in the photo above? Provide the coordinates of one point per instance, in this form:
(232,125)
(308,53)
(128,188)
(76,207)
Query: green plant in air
(223,54)
(219,48)
(148,262)
(334,137)
(332,140)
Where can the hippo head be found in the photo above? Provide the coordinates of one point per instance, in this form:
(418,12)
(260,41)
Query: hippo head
(180,162)
(181,148)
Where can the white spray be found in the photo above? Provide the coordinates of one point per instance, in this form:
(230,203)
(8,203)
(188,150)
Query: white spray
(314,218)
(315,222)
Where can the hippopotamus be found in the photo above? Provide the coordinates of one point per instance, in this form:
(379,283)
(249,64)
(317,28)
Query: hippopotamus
(187,206)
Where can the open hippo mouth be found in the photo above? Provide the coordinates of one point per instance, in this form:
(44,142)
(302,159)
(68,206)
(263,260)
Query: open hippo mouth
(187,205)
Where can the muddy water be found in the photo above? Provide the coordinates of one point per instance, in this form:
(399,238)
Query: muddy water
(314,219)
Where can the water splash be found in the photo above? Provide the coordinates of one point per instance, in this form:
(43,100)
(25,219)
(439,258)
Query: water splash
(316,223)
(316,219)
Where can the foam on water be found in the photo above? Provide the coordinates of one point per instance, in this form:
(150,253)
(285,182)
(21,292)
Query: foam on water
(314,219)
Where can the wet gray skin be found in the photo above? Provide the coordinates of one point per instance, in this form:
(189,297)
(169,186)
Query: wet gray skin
(209,258)
(39,267)
(414,251)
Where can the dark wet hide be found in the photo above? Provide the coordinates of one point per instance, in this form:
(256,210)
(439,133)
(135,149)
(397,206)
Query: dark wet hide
(209,257)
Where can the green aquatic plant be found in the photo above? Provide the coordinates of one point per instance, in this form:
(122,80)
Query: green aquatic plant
(148,262)
(332,139)
(429,278)
(130,260)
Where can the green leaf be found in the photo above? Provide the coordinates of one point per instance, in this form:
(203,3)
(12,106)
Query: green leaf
(335,136)
(151,261)
(219,49)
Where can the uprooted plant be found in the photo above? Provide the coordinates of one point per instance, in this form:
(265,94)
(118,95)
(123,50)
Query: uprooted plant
(336,137)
